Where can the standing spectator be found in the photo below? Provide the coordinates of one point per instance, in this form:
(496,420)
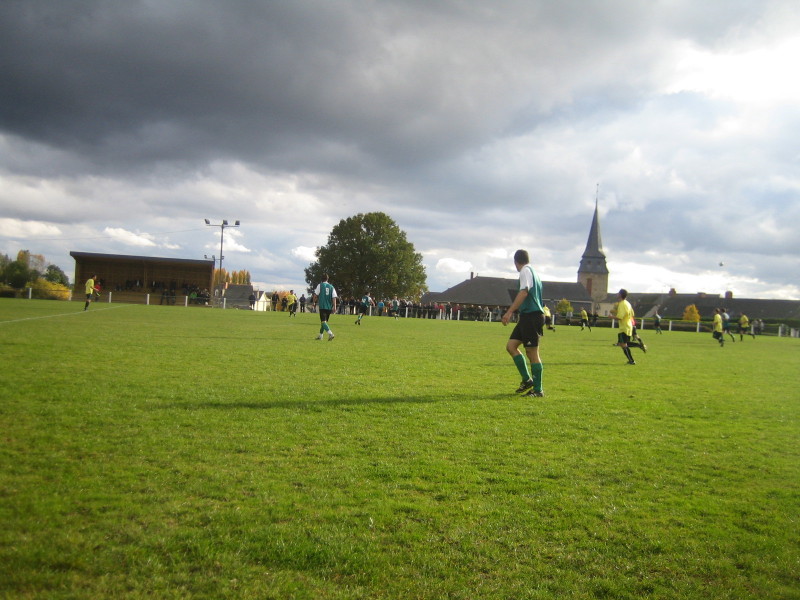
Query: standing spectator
(303,303)
(252,300)
(325,297)
(528,330)
(275,301)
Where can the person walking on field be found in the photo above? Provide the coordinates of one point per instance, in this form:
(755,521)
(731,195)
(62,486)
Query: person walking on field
(325,297)
(291,300)
(585,320)
(89,291)
(528,329)
(624,312)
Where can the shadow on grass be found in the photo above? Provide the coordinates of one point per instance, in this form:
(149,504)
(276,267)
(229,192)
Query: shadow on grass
(333,402)
(300,404)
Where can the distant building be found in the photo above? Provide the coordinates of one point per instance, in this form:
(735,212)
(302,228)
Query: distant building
(147,273)
(591,292)
(593,271)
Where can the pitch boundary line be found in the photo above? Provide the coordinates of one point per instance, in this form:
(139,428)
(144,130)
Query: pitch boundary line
(61,314)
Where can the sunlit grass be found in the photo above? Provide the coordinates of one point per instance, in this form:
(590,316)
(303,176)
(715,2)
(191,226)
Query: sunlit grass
(191,452)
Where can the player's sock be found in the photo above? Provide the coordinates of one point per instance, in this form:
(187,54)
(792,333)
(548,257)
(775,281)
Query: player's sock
(522,366)
(536,371)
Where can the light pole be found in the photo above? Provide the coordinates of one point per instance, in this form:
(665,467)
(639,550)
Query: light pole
(222,227)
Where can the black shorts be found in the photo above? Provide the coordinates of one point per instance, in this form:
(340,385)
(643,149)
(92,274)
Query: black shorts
(529,329)
(324,314)
(362,310)
(623,338)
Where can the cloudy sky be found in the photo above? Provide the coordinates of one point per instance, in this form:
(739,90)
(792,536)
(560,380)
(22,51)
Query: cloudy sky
(479,127)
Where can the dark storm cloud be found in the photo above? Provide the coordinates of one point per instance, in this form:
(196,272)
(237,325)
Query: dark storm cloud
(449,116)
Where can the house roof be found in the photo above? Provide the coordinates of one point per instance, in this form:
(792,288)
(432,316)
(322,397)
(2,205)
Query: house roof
(147,259)
(674,305)
(499,291)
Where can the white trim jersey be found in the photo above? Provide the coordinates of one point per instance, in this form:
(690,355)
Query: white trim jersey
(529,280)
(325,293)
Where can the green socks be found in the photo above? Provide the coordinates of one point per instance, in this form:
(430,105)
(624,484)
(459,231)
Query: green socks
(522,366)
(536,369)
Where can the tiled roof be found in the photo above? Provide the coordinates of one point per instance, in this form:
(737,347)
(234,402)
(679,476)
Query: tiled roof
(499,291)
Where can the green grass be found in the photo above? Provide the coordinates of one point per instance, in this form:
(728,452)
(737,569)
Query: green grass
(166,452)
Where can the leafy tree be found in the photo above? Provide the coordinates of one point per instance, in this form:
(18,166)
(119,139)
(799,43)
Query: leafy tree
(54,274)
(369,252)
(564,306)
(690,313)
(17,274)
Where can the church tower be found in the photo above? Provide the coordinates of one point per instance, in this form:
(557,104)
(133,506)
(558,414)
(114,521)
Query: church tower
(593,272)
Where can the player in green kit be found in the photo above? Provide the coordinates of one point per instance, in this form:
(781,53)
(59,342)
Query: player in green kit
(528,330)
(363,307)
(325,297)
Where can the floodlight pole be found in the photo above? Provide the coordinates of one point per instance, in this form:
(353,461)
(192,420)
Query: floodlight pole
(222,227)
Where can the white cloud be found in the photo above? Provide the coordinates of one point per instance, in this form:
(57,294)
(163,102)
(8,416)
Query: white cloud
(129,238)
(16,228)
(305,253)
(453,265)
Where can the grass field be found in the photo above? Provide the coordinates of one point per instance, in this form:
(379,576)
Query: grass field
(166,452)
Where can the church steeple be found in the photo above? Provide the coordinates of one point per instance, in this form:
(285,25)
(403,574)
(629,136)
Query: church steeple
(594,259)
(593,271)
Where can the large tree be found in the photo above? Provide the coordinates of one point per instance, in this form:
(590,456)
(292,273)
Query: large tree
(369,252)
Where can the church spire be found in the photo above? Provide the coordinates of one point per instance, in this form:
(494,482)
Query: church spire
(593,271)
(594,259)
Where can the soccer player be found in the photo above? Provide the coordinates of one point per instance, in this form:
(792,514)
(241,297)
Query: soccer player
(744,327)
(585,320)
(291,300)
(395,308)
(624,312)
(657,322)
(548,318)
(726,324)
(716,327)
(363,306)
(325,296)
(89,291)
(528,330)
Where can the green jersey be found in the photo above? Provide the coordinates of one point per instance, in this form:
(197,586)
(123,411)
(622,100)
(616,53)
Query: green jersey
(529,280)
(325,293)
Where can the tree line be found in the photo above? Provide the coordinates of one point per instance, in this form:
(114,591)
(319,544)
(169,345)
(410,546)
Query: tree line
(27,269)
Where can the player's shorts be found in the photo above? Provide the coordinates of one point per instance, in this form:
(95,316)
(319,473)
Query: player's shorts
(717,335)
(362,310)
(623,338)
(585,322)
(529,329)
(89,295)
(324,314)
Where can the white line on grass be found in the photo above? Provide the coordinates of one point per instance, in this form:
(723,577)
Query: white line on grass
(62,314)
